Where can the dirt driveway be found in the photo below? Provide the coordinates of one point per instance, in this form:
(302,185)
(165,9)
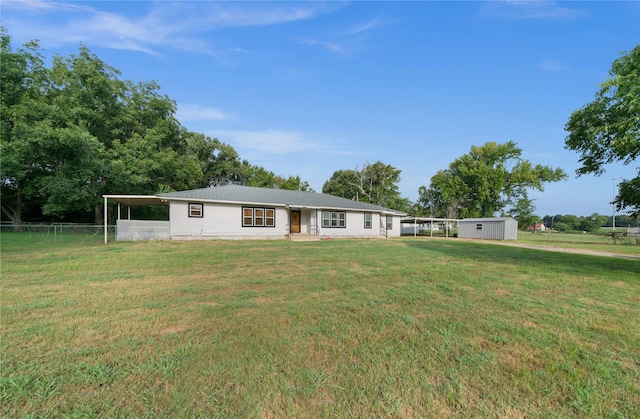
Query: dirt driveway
(569,250)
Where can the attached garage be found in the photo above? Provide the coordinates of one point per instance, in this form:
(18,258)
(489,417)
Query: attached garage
(488,228)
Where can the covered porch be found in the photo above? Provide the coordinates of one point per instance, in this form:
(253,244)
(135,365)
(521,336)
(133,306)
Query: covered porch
(128,229)
(303,223)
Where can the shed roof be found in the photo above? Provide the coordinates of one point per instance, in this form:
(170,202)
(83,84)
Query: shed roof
(475,220)
(277,197)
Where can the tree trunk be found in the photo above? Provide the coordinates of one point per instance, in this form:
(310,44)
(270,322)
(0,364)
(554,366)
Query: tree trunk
(15,213)
(98,215)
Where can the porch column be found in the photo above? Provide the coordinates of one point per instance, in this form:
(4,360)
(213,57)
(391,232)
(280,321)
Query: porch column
(105,219)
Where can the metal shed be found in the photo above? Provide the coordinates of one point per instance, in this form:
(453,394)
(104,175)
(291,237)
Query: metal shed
(488,228)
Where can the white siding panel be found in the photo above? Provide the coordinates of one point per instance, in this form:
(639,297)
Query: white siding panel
(221,221)
(142,230)
(396,229)
(224,221)
(355,226)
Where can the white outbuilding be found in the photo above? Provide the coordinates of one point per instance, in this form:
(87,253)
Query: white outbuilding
(504,228)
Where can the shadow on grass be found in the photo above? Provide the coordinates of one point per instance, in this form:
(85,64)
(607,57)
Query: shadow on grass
(496,253)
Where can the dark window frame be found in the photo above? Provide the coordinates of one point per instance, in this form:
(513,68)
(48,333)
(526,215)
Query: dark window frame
(191,206)
(260,217)
(479,226)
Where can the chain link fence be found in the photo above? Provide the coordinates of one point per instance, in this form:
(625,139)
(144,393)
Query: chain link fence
(66,233)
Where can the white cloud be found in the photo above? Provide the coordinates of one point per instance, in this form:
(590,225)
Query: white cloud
(366,27)
(552,65)
(280,142)
(528,9)
(158,27)
(272,141)
(348,39)
(189,112)
(329,46)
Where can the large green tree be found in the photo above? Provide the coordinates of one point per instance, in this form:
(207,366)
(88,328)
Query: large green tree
(376,183)
(485,181)
(75,131)
(220,163)
(523,212)
(23,81)
(607,130)
(143,146)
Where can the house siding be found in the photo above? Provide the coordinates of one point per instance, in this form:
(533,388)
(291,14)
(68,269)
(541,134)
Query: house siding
(355,226)
(222,221)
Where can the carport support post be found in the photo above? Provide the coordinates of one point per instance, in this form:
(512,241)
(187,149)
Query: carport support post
(105,219)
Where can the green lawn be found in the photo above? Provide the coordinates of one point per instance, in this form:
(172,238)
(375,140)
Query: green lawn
(341,328)
(592,241)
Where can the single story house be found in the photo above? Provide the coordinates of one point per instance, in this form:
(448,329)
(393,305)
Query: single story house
(505,228)
(244,212)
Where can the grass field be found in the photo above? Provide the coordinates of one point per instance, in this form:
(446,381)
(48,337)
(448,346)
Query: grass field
(337,328)
(589,241)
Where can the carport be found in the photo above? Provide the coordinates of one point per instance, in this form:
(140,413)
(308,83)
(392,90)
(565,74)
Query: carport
(136,229)
(420,221)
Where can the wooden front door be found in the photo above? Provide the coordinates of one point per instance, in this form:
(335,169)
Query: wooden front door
(295,221)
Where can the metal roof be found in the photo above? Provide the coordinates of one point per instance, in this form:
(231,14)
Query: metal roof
(239,194)
(488,219)
(136,200)
(411,220)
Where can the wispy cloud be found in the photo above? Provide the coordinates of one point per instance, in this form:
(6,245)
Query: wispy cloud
(151,30)
(345,40)
(366,26)
(552,66)
(280,142)
(189,112)
(529,9)
(327,45)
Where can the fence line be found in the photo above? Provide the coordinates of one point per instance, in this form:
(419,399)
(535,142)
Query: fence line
(58,229)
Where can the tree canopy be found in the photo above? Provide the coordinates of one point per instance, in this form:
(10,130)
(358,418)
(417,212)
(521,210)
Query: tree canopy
(75,131)
(484,182)
(607,129)
(375,183)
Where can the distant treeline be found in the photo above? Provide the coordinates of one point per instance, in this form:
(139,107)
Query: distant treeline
(587,223)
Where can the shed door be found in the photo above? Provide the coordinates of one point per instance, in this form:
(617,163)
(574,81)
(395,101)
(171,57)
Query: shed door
(295,221)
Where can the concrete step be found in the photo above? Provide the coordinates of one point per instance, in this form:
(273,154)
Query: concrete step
(302,237)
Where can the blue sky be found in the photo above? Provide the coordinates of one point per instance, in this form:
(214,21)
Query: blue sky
(308,88)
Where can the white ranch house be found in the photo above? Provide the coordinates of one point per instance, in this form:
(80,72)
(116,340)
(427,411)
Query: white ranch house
(243,212)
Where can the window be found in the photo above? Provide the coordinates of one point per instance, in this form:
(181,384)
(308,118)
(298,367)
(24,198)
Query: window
(334,219)
(195,210)
(479,226)
(367,220)
(258,217)
(269,217)
(389,222)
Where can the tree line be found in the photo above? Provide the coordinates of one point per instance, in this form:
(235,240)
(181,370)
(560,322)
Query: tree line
(75,131)
(590,223)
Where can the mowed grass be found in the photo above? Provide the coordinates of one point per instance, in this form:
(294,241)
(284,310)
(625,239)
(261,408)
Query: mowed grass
(589,241)
(337,328)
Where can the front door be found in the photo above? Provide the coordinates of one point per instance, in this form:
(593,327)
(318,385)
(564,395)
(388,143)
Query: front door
(295,221)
